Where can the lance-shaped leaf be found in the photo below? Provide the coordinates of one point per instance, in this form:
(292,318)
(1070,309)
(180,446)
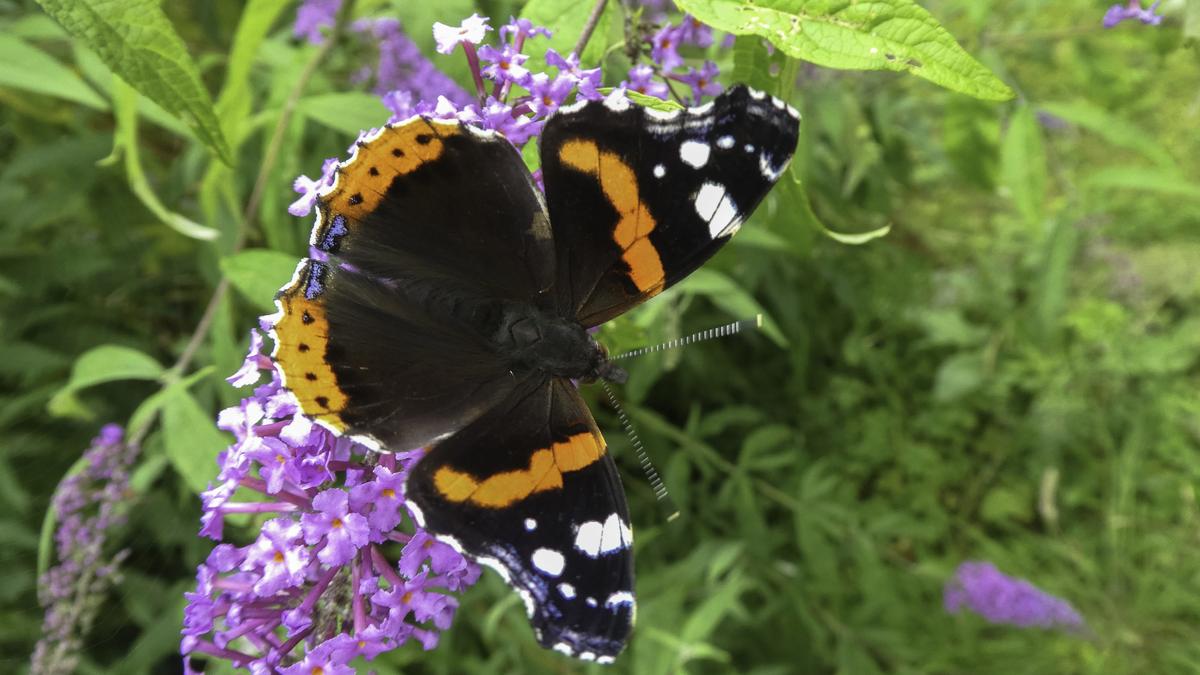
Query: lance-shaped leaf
(880,35)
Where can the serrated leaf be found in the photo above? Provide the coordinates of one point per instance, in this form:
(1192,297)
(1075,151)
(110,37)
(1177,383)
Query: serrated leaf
(137,41)
(106,363)
(24,66)
(894,35)
(1023,165)
(258,274)
(191,439)
(348,112)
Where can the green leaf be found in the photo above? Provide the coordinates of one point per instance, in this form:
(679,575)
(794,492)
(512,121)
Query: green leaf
(731,298)
(653,102)
(145,411)
(806,213)
(125,141)
(258,274)
(1111,128)
(1023,165)
(233,103)
(137,41)
(107,363)
(348,112)
(24,66)
(191,439)
(883,35)
(1165,183)
(566,19)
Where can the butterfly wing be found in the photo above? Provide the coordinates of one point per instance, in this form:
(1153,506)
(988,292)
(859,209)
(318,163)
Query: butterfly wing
(640,198)
(424,228)
(529,490)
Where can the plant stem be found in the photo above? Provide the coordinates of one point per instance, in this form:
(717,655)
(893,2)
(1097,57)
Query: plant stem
(589,27)
(261,181)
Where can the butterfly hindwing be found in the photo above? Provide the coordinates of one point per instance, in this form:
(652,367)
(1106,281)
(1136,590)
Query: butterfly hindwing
(425,227)
(529,489)
(369,362)
(640,198)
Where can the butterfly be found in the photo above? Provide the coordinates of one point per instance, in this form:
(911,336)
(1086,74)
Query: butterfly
(451,310)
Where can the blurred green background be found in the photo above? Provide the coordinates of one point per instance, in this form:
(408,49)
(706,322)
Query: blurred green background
(1010,374)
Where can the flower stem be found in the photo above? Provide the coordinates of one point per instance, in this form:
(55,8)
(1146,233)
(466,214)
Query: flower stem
(589,27)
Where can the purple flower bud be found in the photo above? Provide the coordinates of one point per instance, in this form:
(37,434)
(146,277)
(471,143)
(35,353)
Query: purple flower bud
(998,598)
(314,15)
(309,189)
(642,80)
(504,64)
(665,47)
(1130,11)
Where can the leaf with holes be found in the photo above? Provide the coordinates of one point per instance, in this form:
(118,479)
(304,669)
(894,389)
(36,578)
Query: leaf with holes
(882,35)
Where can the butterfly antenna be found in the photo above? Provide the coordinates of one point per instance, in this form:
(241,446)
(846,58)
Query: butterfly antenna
(660,490)
(710,334)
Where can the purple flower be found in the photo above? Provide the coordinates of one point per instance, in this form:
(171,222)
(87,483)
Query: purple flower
(505,64)
(319,560)
(693,32)
(88,505)
(665,47)
(310,189)
(250,371)
(314,15)
(985,590)
(642,80)
(471,31)
(519,30)
(1130,11)
(402,66)
(703,81)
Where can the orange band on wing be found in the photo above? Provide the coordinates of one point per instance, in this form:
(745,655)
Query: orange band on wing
(620,187)
(301,336)
(545,472)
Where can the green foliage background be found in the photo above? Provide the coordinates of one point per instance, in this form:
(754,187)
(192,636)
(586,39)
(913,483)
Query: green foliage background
(1010,374)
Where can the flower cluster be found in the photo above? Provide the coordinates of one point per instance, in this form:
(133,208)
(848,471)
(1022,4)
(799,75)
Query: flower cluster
(317,576)
(1130,11)
(999,598)
(87,505)
(668,65)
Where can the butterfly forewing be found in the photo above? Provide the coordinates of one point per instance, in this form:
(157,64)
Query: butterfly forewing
(426,227)
(641,198)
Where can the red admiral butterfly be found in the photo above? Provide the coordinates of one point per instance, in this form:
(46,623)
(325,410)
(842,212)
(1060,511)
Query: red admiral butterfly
(453,313)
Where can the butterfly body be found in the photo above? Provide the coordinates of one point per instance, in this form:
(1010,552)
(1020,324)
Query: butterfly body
(453,311)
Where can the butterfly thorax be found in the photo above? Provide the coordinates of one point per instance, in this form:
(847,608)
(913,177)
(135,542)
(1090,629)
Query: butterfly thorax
(532,339)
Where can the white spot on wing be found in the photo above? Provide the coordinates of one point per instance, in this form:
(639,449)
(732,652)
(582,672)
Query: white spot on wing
(564,648)
(663,115)
(748,148)
(725,142)
(567,590)
(660,171)
(769,172)
(588,538)
(591,602)
(714,205)
(757,94)
(574,107)
(694,153)
(605,660)
(701,110)
(613,538)
(549,561)
(619,598)
(530,524)
(587,656)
